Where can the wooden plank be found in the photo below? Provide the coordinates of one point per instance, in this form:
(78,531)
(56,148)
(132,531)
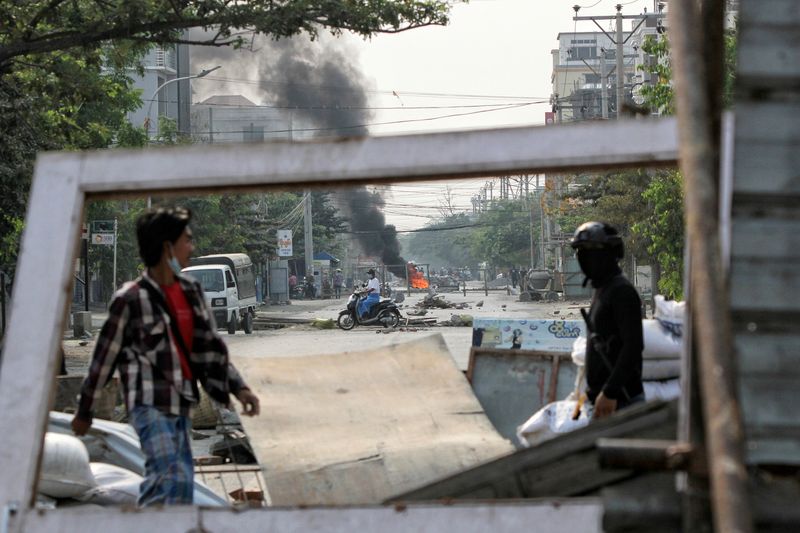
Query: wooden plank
(770,401)
(767,56)
(355,428)
(769,167)
(768,354)
(765,286)
(536,471)
(773,449)
(766,238)
(33,341)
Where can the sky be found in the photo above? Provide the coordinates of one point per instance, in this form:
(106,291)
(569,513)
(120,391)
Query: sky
(490,67)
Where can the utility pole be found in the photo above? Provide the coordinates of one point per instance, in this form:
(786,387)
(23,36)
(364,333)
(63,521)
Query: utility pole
(619,42)
(620,69)
(603,85)
(308,235)
(114,271)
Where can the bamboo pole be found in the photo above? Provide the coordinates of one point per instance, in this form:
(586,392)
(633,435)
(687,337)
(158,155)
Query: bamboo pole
(696,43)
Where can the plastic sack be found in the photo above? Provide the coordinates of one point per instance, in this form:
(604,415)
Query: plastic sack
(552,420)
(662,339)
(662,390)
(65,471)
(670,310)
(660,369)
(115,486)
(579,351)
(119,486)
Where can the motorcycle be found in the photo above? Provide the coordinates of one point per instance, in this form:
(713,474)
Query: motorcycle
(384,313)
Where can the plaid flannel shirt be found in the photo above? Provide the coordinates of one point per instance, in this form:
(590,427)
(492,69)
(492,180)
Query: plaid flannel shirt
(137,339)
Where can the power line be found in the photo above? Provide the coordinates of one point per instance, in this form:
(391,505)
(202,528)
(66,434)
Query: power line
(358,126)
(372,91)
(346,107)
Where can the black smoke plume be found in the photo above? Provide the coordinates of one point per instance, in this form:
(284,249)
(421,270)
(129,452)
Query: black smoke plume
(369,225)
(327,95)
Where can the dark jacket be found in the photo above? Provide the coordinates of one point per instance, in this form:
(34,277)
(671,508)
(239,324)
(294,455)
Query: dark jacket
(616,320)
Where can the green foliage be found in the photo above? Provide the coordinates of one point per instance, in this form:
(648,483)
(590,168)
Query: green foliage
(231,223)
(440,246)
(659,95)
(616,198)
(502,233)
(44,27)
(168,133)
(663,230)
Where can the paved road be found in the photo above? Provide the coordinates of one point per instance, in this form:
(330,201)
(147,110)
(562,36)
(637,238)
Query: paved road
(305,340)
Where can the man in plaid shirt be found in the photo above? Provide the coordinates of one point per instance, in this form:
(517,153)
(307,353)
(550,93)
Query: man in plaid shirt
(161,336)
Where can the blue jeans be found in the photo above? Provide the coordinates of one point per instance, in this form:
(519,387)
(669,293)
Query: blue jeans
(365,304)
(169,469)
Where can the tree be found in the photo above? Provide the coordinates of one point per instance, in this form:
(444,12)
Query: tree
(444,242)
(34,28)
(502,233)
(68,100)
(662,230)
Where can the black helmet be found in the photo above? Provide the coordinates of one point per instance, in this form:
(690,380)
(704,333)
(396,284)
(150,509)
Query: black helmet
(371,271)
(598,236)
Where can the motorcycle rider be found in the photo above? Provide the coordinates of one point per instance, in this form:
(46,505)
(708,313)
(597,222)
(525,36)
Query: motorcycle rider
(373,294)
(614,322)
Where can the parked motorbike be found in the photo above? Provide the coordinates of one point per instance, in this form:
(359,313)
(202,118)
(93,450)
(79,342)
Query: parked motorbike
(384,313)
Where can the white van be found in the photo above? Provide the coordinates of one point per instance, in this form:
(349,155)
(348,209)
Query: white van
(229,284)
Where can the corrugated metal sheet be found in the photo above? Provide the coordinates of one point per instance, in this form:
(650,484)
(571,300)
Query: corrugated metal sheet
(765,248)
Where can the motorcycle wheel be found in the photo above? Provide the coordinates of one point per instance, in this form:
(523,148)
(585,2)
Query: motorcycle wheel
(395,315)
(346,322)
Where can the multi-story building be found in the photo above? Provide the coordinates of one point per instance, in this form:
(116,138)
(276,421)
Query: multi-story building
(160,66)
(582,64)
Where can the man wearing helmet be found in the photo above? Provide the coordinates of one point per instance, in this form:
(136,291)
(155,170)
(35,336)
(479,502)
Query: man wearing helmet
(614,322)
(373,294)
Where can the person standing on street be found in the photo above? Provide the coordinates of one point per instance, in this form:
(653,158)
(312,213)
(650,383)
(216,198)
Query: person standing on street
(161,336)
(373,294)
(338,280)
(614,322)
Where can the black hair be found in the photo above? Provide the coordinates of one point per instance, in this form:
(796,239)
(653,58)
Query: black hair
(157,226)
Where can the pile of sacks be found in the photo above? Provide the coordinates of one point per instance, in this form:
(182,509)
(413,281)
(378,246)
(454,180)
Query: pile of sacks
(69,477)
(663,338)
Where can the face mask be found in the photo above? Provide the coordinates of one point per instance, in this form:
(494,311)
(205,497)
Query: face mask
(597,265)
(173,262)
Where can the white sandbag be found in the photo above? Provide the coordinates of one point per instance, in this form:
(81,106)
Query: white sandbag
(660,369)
(579,351)
(119,486)
(662,339)
(662,390)
(65,469)
(671,310)
(552,420)
(115,486)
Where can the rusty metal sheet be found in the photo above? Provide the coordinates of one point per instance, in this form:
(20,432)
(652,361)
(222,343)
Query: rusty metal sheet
(511,385)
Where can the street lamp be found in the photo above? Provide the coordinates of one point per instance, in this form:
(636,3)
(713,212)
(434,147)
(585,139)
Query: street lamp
(201,74)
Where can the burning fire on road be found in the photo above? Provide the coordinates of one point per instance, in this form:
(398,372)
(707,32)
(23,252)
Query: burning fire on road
(416,278)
